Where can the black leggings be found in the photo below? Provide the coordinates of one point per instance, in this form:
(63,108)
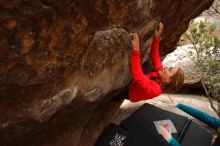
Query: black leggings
(147,67)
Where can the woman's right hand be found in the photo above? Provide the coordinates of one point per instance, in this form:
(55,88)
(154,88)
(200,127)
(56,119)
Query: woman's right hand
(165,134)
(135,41)
(158,32)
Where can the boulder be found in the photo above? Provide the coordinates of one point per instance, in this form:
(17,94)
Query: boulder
(62,62)
(180,58)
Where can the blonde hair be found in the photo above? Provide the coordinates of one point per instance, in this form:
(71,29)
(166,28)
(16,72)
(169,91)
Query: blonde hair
(176,83)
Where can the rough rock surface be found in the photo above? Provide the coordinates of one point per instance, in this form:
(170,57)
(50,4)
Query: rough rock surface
(213,15)
(62,61)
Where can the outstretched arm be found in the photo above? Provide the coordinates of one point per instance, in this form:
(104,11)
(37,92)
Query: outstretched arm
(136,70)
(204,117)
(154,52)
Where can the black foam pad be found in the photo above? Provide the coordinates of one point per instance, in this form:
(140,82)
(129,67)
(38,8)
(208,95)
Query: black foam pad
(139,130)
(195,135)
(140,136)
(148,113)
(113,135)
(141,127)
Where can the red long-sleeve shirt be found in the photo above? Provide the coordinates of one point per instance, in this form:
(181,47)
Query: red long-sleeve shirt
(142,86)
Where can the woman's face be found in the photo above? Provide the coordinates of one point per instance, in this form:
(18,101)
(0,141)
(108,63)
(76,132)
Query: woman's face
(167,73)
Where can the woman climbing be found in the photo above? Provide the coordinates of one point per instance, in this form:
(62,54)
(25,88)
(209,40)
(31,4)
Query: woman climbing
(146,86)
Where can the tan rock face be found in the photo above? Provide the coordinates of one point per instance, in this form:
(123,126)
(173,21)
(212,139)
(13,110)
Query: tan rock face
(62,61)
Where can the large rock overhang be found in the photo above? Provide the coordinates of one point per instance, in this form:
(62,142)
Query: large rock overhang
(62,61)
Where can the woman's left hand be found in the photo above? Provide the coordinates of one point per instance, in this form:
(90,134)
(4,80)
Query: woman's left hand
(135,41)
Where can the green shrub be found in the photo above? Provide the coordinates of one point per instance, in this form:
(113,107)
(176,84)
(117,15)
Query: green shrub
(206,55)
